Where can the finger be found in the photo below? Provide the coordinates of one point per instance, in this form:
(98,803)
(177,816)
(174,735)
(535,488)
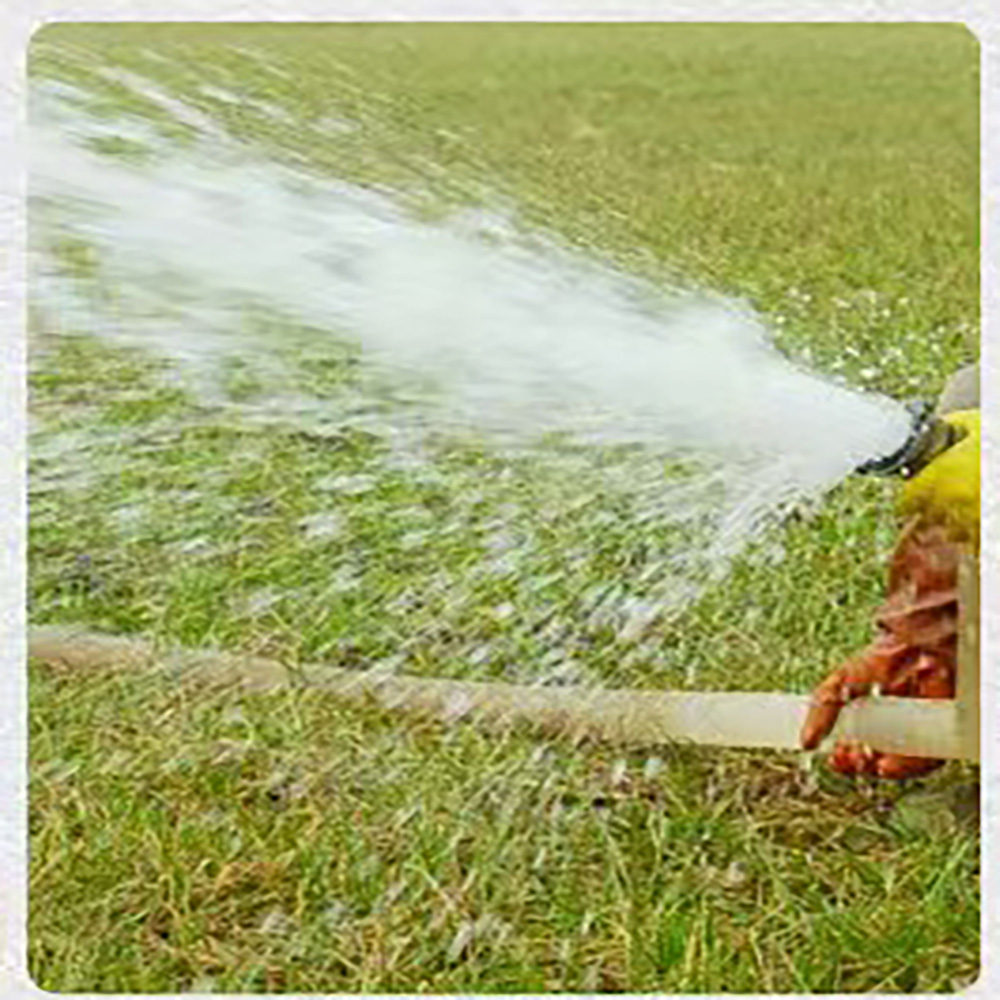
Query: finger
(827,701)
(897,766)
(852,758)
(819,723)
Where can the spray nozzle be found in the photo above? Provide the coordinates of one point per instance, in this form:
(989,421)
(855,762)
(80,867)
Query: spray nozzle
(929,436)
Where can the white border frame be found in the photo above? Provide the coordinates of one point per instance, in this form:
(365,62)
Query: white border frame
(22,17)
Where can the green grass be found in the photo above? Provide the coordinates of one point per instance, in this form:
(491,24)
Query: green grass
(190,839)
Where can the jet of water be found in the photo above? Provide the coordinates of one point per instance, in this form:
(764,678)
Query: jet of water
(475,327)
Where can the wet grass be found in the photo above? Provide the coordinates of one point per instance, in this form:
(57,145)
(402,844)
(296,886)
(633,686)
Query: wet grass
(189,839)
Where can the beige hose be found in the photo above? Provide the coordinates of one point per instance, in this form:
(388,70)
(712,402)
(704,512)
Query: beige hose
(622,716)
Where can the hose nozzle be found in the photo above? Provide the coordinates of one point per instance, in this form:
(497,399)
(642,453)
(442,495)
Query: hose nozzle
(929,436)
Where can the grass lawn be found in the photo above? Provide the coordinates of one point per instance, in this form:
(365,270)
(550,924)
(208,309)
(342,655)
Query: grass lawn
(192,839)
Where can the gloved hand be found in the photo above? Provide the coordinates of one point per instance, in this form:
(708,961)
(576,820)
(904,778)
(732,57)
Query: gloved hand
(914,655)
(916,651)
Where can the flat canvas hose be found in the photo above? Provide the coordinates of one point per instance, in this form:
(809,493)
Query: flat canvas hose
(765,720)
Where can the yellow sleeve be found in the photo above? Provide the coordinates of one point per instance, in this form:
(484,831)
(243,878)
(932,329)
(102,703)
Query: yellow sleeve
(946,490)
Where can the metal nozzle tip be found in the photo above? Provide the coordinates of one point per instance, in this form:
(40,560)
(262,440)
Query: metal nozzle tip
(903,461)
